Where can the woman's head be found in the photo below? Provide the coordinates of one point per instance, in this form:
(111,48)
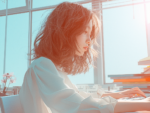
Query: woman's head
(68,29)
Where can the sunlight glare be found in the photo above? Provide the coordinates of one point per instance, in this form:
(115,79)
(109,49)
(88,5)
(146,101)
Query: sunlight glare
(138,13)
(148,13)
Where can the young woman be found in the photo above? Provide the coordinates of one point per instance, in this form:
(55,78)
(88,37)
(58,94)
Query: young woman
(63,47)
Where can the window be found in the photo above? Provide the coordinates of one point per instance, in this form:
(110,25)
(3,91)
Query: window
(16,3)
(2,5)
(2,43)
(124,40)
(148,21)
(17,46)
(116,3)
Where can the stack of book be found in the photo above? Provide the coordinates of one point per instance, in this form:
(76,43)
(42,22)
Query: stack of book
(127,81)
(142,80)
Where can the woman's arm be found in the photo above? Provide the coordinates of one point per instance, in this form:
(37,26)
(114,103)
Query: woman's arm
(132,106)
(114,95)
(124,106)
(128,106)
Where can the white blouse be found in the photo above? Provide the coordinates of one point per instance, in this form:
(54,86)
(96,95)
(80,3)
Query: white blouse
(47,90)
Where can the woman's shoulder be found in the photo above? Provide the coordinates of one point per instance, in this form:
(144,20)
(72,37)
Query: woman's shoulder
(42,61)
(47,63)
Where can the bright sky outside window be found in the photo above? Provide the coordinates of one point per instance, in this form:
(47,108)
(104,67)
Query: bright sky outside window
(2,42)
(43,3)
(119,2)
(12,4)
(2,5)
(17,46)
(124,40)
(148,12)
(16,3)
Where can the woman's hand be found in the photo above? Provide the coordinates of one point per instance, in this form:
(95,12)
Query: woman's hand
(134,92)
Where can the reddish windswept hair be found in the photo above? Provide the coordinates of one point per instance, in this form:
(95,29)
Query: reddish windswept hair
(56,39)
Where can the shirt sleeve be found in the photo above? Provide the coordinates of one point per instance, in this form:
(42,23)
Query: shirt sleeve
(57,95)
(86,94)
(98,94)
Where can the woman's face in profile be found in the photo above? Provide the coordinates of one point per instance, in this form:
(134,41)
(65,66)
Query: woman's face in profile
(84,39)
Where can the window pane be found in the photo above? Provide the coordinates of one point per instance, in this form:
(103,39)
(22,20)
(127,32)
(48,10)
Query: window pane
(148,20)
(2,42)
(88,5)
(43,3)
(148,12)
(17,46)
(12,4)
(16,3)
(2,4)
(119,2)
(124,40)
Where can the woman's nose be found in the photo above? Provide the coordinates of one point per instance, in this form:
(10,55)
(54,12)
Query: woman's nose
(88,41)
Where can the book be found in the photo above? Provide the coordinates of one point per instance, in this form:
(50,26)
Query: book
(129,75)
(132,80)
(142,87)
(136,85)
(144,61)
(135,82)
